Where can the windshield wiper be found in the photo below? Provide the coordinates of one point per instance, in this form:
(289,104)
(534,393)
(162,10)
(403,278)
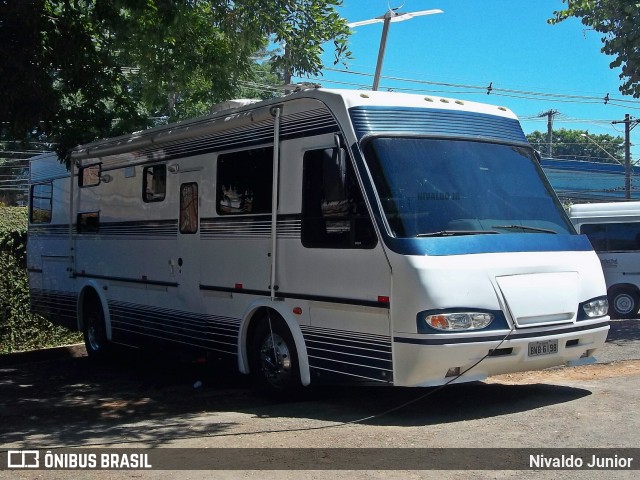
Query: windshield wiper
(453,233)
(524,228)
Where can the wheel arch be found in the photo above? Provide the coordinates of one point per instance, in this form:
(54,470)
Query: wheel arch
(256,313)
(89,292)
(623,286)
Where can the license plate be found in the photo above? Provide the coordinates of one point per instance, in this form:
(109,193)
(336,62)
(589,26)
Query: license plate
(547,347)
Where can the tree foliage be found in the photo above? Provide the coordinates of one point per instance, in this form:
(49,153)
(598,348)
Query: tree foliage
(78,70)
(618,21)
(573,145)
(19,328)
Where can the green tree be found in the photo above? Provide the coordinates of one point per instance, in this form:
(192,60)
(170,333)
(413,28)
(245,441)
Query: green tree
(79,70)
(574,145)
(19,328)
(618,21)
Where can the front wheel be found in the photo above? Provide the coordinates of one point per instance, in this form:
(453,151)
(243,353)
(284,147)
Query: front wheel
(623,304)
(274,359)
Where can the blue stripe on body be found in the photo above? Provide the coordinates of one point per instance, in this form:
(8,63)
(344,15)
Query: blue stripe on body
(502,243)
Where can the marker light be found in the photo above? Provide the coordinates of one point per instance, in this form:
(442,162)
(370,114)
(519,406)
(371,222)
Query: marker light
(596,308)
(459,320)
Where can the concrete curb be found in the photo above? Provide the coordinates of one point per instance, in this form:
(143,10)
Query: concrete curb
(43,355)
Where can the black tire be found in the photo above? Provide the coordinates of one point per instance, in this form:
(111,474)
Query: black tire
(623,303)
(95,332)
(274,358)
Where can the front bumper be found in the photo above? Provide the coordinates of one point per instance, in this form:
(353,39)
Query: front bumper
(424,360)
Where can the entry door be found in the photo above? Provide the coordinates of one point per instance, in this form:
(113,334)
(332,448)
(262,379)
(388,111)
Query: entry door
(185,263)
(335,272)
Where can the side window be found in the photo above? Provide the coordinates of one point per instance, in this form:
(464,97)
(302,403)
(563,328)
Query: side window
(189,208)
(334,214)
(89,176)
(244,182)
(154,183)
(613,237)
(597,235)
(40,203)
(88,222)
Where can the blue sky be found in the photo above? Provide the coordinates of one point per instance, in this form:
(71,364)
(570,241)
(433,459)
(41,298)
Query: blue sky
(507,43)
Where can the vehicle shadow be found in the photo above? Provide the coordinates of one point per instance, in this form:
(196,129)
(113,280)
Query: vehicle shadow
(622,331)
(154,399)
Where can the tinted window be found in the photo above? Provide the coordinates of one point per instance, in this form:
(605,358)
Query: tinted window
(89,176)
(428,186)
(609,237)
(334,214)
(40,203)
(88,222)
(244,182)
(154,183)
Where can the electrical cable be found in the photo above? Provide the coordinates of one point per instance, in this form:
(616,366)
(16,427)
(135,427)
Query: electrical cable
(321,427)
(505,92)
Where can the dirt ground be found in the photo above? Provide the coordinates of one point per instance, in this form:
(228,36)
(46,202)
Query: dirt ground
(59,399)
(579,374)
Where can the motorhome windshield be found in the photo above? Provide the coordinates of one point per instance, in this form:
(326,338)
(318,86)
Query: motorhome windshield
(433,187)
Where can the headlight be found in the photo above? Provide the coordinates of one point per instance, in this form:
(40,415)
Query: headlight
(596,308)
(459,320)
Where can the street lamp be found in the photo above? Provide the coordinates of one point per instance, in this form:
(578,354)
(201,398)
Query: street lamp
(392,15)
(626,165)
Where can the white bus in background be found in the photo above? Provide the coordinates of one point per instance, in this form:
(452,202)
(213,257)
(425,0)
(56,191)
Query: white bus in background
(327,235)
(614,231)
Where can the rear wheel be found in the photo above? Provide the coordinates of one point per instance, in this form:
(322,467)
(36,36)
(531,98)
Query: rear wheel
(274,359)
(94,331)
(623,303)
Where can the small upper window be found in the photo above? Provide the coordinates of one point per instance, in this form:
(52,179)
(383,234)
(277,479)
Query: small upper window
(244,182)
(88,222)
(154,183)
(90,176)
(40,203)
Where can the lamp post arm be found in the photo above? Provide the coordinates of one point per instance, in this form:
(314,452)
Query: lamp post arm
(383,46)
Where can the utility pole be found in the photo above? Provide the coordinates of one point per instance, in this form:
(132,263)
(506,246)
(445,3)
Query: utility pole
(549,114)
(629,123)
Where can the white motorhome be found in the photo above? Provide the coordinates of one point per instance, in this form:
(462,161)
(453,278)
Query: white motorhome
(368,236)
(614,231)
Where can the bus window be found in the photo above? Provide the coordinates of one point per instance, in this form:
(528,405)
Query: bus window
(334,214)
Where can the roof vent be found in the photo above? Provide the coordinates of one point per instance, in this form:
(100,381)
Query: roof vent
(231,104)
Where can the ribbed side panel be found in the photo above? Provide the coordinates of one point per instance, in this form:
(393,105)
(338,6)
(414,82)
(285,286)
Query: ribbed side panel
(446,123)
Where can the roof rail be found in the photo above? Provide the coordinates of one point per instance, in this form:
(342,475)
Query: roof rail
(299,87)
(231,104)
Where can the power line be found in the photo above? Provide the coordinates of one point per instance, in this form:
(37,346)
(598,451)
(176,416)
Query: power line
(493,90)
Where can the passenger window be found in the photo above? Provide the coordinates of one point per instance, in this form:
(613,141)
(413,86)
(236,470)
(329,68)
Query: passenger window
(89,176)
(154,183)
(244,182)
(40,203)
(334,214)
(189,208)
(88,222)
(613,237)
